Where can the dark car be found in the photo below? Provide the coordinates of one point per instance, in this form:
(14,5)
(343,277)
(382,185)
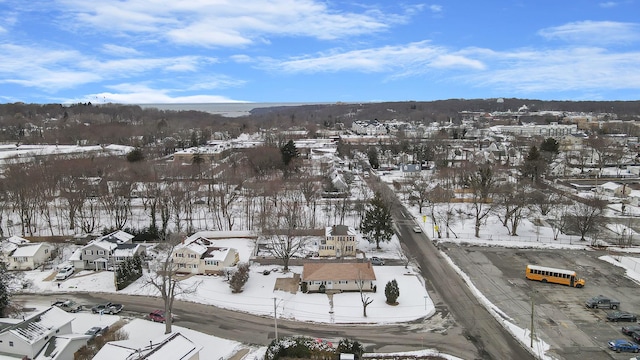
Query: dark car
(623,345)
(621,316)
(630,329)
(108,308)
(635,336)
(97,331)
(158,316)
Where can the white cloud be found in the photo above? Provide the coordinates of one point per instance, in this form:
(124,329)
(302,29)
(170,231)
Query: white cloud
(141,94)
(528,71)
(594,32)
(435,8)
(118,50)
(413,58)
(52,70)
(608,4)
(229,23)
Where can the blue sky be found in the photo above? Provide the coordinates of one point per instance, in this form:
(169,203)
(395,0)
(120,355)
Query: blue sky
(198,51)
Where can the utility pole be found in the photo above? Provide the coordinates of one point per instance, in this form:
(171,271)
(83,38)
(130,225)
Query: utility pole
(531,323)
(275,317)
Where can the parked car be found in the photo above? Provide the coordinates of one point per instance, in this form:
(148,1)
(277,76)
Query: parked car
(158,316)
(376,261)
(97,331)
(635,336)
(623,345)
(417,229)
(621,316)
(108,308)
(64,272)
(68,306)
(630,329)
(602,302)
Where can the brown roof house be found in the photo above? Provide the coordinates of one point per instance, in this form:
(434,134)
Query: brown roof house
(338,277)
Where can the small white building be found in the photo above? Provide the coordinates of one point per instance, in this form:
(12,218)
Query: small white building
(29,257)
(174,346)
(26,338)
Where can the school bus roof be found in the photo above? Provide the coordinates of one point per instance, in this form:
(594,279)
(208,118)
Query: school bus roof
(550,269)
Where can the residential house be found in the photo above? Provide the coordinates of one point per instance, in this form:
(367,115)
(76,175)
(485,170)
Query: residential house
(321,277)
(174,346)
(200,255)
(339,241)
(107,251)
(613,189)
(29,257)
(7,246)
(27,337)
(62,347)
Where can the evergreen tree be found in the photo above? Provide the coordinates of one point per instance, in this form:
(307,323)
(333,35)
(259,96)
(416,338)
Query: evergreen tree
(239,278)
(5,296)
(377,224)
(392,292)
(372,154)
(534,165)
(135,155)
(289,152)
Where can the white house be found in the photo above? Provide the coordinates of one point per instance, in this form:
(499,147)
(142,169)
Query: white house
(200,255)
(174,346)
(612,189)
(29,257)
(106,251)
(29,336)
(321,277)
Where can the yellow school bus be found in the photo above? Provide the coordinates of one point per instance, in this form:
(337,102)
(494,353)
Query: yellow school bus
(553,275)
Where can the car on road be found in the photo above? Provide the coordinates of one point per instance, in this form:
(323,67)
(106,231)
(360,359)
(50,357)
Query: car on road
(621,316)
(417,229)
(377,261)
(621,345)
(158,316)
(602,302)
(68,306)
(630,329)
(97,331)
(108,308)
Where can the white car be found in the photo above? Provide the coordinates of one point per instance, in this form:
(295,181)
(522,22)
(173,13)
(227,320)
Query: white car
(417,229)
(65,272)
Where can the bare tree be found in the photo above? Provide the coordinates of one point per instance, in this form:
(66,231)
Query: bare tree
(586,216)
(162,277)
(364,298)
(514,200)
(482,184)
(282,235)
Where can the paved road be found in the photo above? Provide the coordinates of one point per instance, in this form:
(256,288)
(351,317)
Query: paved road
(490,338)
(257,330)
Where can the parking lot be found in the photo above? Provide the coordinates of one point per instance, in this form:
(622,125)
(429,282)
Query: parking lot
(560,316)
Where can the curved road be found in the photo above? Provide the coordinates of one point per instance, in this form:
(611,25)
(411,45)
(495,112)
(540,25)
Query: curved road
(492,340)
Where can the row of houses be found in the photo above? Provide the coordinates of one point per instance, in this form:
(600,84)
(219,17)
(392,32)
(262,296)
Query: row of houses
(48,335)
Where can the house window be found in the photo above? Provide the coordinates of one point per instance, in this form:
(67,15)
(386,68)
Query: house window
(46,251)
(88,252)
(343,282)
(179,255)
(11,343)
(192,256)
(180,265)
(211,262)
(100,252)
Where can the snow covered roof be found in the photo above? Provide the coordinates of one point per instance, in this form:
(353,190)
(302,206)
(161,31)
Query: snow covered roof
(126,250)
(221,235)
(610,185)
(216,253)
(54,349)
(40,325)
(118,237)
(196,248)
(28,250)
(107,245)
(173,346)
(76,256)
(17,240)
